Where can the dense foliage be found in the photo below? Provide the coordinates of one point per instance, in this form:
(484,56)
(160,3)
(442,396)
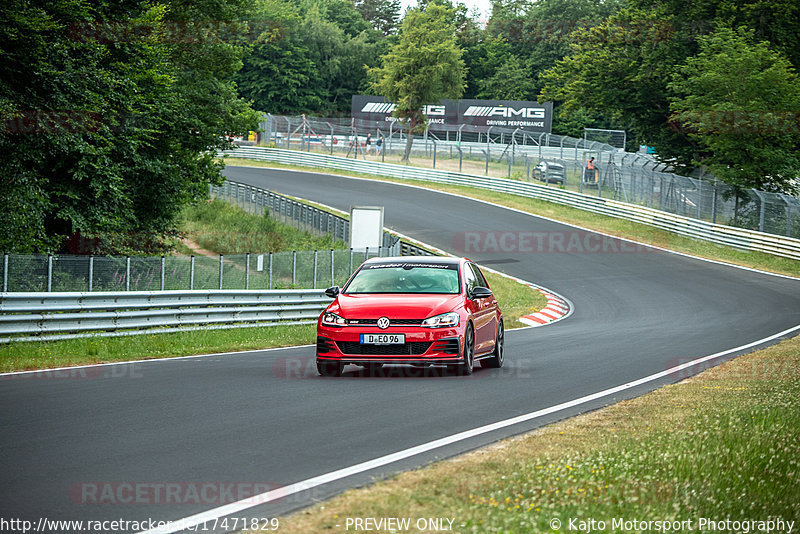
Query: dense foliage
(110,110)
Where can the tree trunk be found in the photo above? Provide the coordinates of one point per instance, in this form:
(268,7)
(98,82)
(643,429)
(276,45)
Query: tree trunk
(409,140)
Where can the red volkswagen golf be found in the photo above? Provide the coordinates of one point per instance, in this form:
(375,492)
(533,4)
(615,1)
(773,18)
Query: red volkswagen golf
(411,310)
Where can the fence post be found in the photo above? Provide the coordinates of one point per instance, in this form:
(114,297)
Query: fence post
(333,276)
(315,270)
(351,260)
(247,271)
(91,272)
(5,273)
(762,211)
(191,272)
(220,271)
(294,268)
(49,273)
(163,264)
(127,273)
(366,254)
(270,270)
(714,204)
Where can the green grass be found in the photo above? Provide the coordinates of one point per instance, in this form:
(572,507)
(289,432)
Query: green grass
(63,353)
(226,229)
(617,227)
(722,445)
(515,299)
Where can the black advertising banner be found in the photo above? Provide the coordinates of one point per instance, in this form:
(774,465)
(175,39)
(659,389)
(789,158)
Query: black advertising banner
(451,114)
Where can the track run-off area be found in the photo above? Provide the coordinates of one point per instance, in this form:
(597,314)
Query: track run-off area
(200,436)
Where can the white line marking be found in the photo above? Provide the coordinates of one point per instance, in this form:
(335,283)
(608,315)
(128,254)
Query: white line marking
(297,487)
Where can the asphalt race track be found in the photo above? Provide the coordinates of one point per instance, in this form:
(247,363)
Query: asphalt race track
(255,421)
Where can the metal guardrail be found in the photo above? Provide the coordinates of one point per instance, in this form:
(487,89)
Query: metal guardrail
(50,316)
(726,235)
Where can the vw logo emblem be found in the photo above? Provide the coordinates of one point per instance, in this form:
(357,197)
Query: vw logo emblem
(383,323)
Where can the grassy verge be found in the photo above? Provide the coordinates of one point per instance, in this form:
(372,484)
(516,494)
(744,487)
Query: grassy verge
(515,299)
(87,351)
(225,229)
(586,219)
(722,445)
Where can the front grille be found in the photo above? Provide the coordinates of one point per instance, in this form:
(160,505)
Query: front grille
(392,322)
(415,348)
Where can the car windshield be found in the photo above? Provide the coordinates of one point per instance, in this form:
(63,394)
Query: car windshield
(405,278)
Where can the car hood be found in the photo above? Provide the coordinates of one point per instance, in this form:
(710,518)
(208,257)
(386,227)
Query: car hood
(395,306)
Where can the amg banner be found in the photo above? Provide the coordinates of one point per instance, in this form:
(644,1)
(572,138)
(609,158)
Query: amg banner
(450,114)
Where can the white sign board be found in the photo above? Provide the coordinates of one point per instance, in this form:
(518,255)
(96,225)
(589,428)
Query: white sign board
(366,227)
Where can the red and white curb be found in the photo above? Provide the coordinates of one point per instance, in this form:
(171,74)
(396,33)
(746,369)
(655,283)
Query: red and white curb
(557,308)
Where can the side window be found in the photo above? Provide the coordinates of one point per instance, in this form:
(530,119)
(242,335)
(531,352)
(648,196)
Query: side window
(470,281)
(479,275)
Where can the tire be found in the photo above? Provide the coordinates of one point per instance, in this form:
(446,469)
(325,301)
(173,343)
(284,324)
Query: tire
(465,369)
(495,361)
(329,368)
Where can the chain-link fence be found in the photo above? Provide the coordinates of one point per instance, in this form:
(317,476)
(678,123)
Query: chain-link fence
(558,161)
(273,270)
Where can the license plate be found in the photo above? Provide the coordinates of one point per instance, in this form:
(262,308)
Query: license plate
(383,339)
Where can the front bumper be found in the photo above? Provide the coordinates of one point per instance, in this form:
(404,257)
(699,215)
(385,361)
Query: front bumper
(423,346)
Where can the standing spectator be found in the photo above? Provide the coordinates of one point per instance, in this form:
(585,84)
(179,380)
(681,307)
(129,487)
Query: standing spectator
(379,144)
(369,143)
(591,171)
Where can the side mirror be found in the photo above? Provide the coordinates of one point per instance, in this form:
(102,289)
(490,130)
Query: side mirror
(332,292)
(480,292)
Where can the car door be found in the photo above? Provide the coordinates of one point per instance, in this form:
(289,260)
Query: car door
(485,311)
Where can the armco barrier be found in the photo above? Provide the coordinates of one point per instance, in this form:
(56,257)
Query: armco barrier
(39,316)
(698,229)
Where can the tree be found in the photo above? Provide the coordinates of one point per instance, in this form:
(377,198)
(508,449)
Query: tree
(619,69)
(383,15)
(310,58)
(279,75)
(110,128)
(424,68)
(738,100)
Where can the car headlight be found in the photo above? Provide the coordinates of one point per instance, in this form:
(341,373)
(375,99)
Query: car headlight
(444,320)
(331,319)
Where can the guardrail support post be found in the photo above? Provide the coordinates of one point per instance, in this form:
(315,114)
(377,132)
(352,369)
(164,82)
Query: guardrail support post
(220,270)
(5,273)
(91,272)
(163,265)
(191,272)
(49,273)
